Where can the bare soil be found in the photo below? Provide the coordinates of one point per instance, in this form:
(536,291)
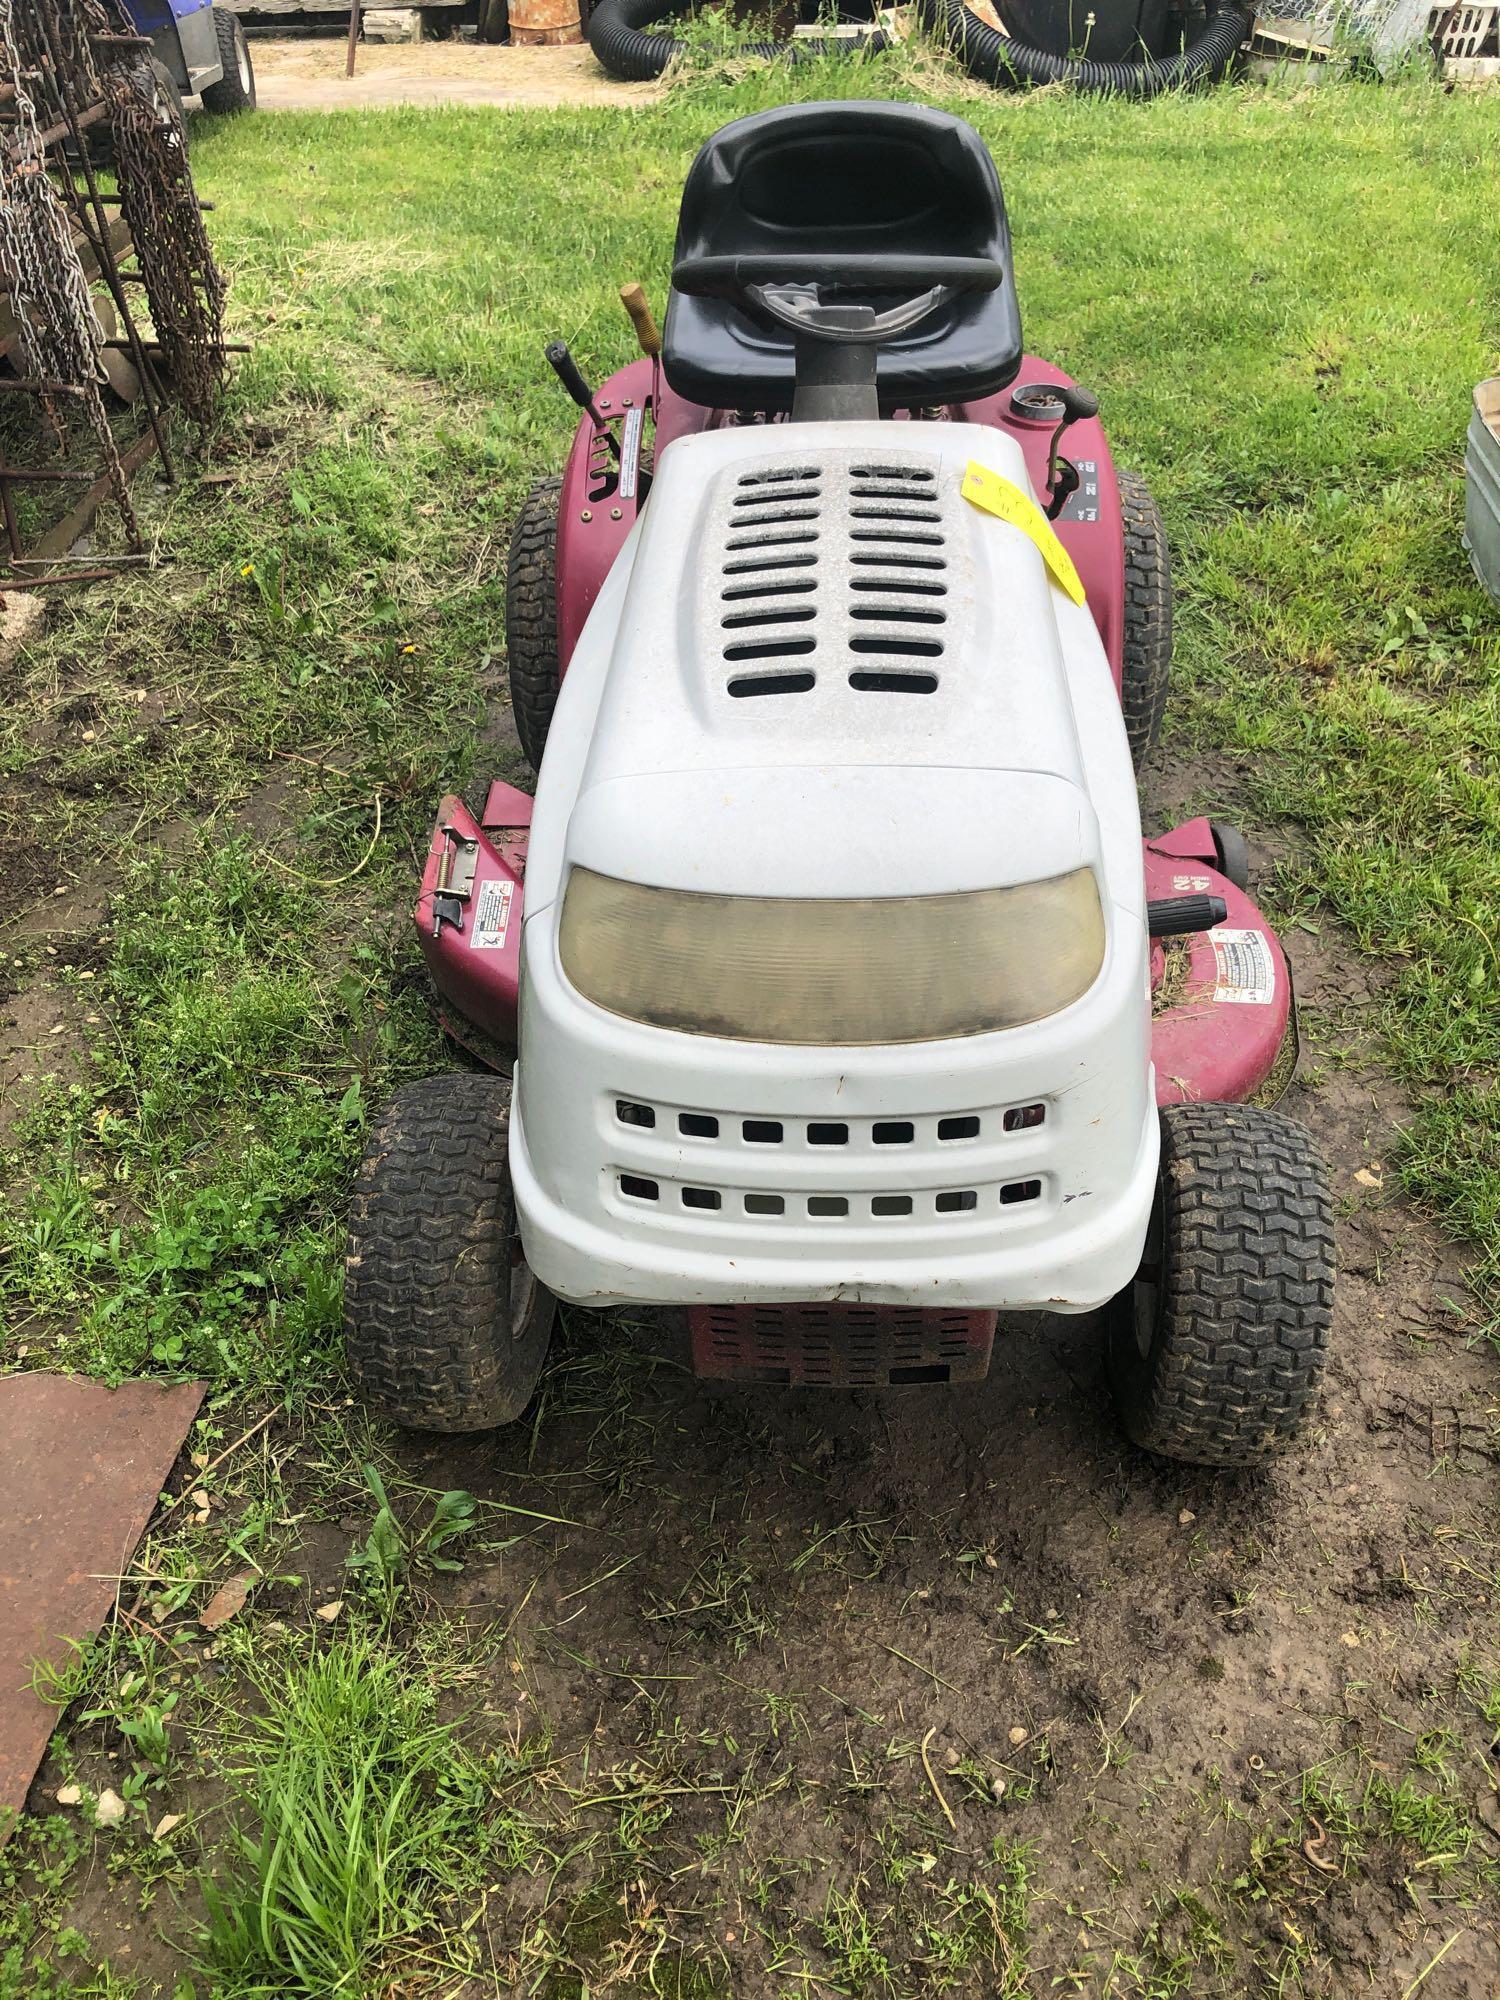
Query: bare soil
(308,75)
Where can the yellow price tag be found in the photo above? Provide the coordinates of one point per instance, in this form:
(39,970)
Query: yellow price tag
(1001,497)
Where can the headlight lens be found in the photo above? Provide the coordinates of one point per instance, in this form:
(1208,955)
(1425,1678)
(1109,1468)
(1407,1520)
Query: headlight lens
(834,973)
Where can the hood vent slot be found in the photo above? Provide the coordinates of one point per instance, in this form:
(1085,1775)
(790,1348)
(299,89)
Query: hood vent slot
(897,575)
(768,578)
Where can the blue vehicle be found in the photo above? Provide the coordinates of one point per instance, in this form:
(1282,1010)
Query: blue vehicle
(199,50)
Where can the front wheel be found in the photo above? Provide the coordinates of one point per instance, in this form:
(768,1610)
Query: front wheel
(445,1325)
(1217,1349)
(235,90)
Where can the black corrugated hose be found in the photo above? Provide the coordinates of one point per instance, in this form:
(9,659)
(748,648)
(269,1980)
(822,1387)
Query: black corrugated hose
(1000,60)
(615,36)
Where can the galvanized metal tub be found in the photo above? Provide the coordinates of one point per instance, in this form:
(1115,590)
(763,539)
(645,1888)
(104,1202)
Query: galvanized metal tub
(1482,475)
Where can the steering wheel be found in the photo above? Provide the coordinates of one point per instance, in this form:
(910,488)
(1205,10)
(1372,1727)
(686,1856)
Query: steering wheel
(788,286)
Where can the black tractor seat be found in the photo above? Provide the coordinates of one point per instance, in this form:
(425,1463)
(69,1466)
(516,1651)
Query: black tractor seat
(849,182)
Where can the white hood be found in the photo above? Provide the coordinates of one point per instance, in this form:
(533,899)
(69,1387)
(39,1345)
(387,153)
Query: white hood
(817,669)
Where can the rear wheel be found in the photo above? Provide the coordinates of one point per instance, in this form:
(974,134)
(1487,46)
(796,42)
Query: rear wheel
(445,1325)
(1233,853)
(1147,662)
(1217,1349)
(531,617)
(235,90)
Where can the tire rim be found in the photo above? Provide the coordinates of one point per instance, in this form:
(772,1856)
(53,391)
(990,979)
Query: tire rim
(1145,1301)
(242,59)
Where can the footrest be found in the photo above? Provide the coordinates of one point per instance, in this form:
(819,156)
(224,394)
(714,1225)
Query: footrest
(839,1346)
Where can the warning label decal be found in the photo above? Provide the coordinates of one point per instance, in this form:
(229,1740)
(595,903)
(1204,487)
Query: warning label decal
(491,916)
(1246,969)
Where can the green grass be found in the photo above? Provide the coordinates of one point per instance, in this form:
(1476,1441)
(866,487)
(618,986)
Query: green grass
(358,1834)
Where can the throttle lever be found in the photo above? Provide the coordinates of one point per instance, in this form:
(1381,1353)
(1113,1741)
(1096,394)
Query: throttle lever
(567,371)
(1062,478)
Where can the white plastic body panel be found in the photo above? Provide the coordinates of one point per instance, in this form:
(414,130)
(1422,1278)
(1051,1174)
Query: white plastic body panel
(1014,767)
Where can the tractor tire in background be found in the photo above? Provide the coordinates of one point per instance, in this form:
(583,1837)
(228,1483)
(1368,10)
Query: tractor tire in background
(999,59)
(1217,1349)
(531,617)
(151,79)
(445,1326)
(235,90)
(1147,664)
(168,93)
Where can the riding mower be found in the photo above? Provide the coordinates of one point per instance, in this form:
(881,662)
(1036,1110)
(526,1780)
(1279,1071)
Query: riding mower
(850,1006)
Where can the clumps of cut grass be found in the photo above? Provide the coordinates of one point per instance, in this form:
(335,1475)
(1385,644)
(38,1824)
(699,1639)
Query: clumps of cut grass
(931,1933)
(719,1601)
(851,1935)
(358,1821)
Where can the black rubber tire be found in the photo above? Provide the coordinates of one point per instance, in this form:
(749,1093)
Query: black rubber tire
(1008,64)
(168,93)
(235,90)
(1233,851)
(531,616)
(617,36)
(1147,660)
(150,75)
(444,1328)
(1218,1361)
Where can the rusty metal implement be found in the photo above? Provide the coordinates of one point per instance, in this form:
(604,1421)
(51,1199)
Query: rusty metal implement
(81,1467)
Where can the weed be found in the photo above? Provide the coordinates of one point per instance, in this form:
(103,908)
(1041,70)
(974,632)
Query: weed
(851,1938)
(393,1552)
(358,1817)
(146,1732)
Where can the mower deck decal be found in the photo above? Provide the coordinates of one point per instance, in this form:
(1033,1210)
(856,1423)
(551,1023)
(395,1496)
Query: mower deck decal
(1246,969)
(492,915)
(992,494)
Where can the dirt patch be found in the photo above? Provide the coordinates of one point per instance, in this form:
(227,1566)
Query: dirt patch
(308,75)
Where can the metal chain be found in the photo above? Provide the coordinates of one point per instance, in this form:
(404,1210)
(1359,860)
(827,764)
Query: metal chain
(184,286)
(56,57)
(58,333)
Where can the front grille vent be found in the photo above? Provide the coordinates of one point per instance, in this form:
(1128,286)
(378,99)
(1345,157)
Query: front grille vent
(803,1205)
(730,1129)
